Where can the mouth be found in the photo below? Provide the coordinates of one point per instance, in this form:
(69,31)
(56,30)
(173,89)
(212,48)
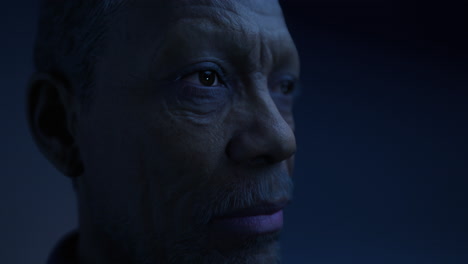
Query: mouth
(264,218)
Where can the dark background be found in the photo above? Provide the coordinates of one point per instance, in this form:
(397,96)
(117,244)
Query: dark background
(382,122)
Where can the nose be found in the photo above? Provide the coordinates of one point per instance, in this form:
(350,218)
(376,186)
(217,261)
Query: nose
(264,136)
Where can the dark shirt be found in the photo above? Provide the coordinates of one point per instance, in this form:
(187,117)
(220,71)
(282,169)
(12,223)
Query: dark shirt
(65,250)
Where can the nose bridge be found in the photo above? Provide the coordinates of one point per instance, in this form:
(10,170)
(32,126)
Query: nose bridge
(261,101)
(267,116)
(263,136)
(273,134)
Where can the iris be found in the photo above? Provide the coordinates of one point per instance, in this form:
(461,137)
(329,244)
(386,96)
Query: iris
(207,78)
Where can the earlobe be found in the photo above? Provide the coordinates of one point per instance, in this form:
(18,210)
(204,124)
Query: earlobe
(51,114)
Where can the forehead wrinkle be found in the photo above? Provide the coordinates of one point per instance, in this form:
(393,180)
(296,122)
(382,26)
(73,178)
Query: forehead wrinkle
(253,48)
(239,15)
(257,48)
(257,40)
(265,51)
(256,54)
(232,31)
(219,16)
(171,12)
(237,7)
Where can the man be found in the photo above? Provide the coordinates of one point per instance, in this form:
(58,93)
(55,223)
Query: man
(173,118)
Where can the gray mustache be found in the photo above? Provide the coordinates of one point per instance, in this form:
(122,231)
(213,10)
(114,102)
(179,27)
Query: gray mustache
(242,193)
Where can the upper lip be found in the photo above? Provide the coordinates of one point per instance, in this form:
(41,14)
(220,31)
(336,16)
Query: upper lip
(263,208)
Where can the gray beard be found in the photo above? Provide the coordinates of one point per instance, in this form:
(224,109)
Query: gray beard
(259,250)
(195,249)
(194,246)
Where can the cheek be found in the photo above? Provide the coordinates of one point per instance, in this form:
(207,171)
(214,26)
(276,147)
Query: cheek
(187,154)
(146,164)
(181,161)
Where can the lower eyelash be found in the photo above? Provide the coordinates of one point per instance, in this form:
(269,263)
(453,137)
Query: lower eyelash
(192,91)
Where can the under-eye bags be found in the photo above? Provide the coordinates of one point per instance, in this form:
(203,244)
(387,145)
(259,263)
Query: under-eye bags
(202,88)
(200,93)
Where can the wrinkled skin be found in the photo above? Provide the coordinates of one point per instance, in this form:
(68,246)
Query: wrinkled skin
(162,152)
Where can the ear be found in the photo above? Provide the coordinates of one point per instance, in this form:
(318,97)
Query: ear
(51,116)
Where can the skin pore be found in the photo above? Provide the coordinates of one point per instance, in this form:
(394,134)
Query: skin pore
(191,118)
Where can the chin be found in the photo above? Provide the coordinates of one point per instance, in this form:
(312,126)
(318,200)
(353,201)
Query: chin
(255,250)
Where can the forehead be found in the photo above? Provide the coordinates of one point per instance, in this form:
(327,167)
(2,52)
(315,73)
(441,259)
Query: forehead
(233,13)
(180,29)
(236,15)
(265,7)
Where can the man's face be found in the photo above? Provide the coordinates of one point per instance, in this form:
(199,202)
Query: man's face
(191,119)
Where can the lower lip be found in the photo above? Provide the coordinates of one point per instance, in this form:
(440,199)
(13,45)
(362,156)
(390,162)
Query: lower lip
(250,225)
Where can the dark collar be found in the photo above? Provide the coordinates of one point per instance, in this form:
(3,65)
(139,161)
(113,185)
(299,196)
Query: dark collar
(65,250)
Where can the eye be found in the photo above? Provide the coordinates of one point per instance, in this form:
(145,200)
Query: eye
(203,78)
(287,86)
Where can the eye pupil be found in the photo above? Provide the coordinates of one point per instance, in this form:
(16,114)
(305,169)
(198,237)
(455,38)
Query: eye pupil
(287,87)
(207,78)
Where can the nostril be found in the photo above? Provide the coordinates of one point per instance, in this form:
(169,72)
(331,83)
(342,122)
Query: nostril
(261,161)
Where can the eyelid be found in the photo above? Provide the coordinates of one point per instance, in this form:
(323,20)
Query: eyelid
(291,78)
(283,76)
(203,66)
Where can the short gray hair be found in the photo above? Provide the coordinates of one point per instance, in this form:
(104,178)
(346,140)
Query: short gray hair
(69,38)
